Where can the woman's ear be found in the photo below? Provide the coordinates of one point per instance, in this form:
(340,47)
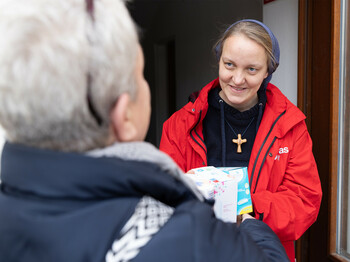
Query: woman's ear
(123,127)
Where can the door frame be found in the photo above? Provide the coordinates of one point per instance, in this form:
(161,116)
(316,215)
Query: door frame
(318,88)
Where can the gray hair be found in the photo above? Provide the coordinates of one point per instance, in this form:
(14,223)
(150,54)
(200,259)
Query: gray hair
(62,69)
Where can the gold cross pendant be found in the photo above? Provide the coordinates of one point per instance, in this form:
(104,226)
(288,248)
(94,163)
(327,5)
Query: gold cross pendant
(239,141)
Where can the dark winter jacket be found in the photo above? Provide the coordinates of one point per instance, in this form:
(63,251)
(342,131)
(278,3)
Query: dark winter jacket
(73,207)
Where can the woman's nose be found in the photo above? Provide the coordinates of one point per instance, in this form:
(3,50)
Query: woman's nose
(238,77)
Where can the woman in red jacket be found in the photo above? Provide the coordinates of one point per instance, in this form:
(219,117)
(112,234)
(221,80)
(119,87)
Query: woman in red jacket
(240,119)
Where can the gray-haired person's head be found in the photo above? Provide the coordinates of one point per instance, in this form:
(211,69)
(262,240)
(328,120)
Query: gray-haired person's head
(63,65)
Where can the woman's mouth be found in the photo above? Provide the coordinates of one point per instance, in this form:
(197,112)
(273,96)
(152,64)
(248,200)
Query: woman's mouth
(237,89)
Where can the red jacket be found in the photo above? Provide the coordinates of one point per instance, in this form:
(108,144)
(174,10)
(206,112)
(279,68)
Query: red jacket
(285,186)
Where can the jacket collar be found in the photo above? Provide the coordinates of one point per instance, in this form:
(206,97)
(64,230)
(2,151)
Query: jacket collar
(277,103)
(57,175)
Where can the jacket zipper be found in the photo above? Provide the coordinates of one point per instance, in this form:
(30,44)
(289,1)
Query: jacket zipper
(262,146)
(257,179)
(194,129)
(261,216)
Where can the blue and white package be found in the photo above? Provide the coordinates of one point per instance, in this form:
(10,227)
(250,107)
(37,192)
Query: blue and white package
(244,201)
(219,186)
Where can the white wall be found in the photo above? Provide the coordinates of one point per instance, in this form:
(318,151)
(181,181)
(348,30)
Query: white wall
(281,16)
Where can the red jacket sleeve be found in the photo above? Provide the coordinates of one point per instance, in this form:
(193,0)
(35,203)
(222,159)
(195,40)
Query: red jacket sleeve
(170,145)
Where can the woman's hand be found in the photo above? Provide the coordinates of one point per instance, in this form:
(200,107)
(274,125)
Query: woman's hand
(246,216)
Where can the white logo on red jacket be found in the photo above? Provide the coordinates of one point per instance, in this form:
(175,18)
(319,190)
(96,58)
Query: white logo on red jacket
(282,150)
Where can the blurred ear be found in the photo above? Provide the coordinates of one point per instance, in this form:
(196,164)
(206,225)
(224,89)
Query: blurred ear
(122,125)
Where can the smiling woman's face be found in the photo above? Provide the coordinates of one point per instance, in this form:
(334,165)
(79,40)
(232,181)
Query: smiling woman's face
(242,69)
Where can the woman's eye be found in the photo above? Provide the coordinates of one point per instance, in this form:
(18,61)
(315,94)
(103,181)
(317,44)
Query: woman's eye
(228,64)
(251,69)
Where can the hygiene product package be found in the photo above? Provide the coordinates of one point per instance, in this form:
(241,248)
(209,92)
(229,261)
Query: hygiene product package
(216,184)
(244,201)
(229,186)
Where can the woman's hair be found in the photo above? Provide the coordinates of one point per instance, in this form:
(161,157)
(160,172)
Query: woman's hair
(253,31)
(63,66)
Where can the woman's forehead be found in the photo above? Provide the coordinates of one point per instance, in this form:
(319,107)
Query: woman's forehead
(243,44)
